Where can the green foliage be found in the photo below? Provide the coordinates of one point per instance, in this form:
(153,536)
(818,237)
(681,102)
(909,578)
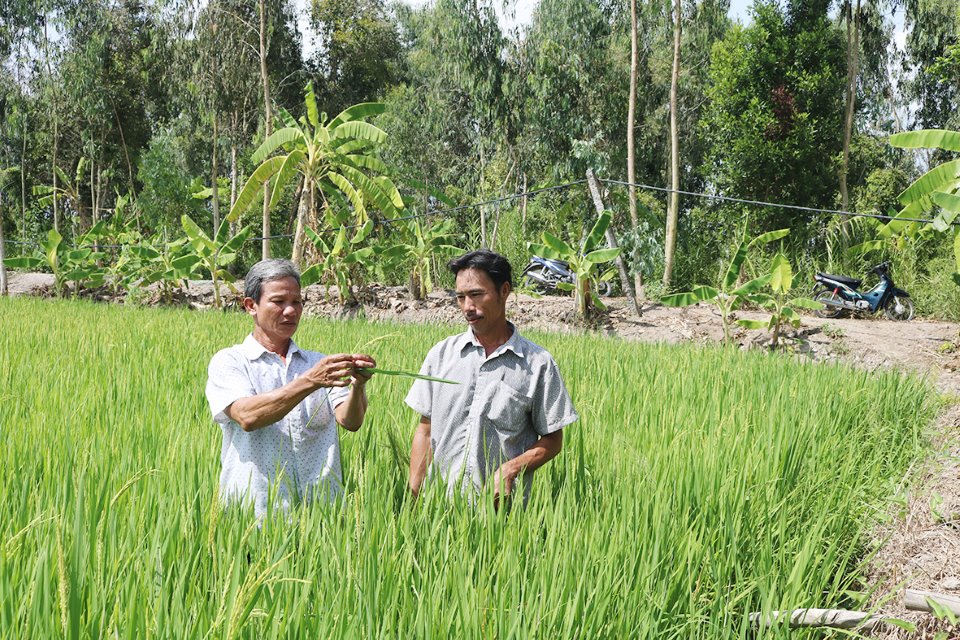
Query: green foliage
(584,261)
(337,159)
(361,55)
(420,249)
(774,114)
(213,255)
(166,195)
(79,265)
(699,485)
(339,261)
(935,190)
(169,264)
(728,294)
(781,305)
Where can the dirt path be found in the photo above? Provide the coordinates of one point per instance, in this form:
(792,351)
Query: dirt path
(919,547)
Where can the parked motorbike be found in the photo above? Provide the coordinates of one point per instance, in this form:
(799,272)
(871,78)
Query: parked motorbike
(544,274)
(840,294)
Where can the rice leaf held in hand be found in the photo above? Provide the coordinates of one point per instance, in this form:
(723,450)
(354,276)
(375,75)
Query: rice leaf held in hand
(405,374)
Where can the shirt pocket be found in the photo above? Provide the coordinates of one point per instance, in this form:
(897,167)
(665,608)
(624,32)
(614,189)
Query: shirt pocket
(507,409)
(318,412)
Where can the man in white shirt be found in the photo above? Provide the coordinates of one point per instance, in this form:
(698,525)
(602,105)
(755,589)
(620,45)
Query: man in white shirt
(279,405)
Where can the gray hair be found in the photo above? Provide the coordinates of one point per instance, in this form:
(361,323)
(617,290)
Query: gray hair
(268,271)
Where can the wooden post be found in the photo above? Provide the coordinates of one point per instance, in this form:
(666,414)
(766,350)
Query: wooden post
(831,618)
(612,241)
(915,600)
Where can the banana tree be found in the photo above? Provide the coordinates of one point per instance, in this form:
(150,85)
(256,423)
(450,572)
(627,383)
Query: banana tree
(169,264)
(934,192)
(339,260)
(79,265)
(783,308)
(727,296)
(66,189)
(332,157)
(423,247)
(216,254)
(584,264)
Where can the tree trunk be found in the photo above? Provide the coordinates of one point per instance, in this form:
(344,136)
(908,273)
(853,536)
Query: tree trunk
(891,98)
(56,211)
(631,151)
(268,126)
(413,285)
(94,213)
(56,133)
(306,209)
(523,207)
(674,205)
(853,70)
(214,182)
(234,226)
(612,242)
(23,174)
(483,226)
(233,173)
(126,154)
(496,227)
(483,210)
(3,255)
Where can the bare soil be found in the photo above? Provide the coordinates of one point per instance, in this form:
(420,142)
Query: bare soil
(919,545)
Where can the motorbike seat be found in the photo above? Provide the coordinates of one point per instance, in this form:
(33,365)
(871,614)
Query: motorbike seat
(853,283)
(557,263)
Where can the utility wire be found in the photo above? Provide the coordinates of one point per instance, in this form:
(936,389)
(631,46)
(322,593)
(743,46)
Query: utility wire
(567,185)
(760,203)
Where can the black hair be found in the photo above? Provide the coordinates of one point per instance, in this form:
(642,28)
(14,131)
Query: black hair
(493,264)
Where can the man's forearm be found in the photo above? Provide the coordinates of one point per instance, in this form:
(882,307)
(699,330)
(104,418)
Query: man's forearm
(351,412)
(540,452)
(420,454)
(264,409)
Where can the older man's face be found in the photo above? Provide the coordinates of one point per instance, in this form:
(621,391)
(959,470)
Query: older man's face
(279,309)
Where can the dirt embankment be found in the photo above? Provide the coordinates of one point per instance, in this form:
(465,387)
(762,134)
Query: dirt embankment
(919,546)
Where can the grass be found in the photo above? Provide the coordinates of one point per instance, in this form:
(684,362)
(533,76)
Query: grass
(699,485)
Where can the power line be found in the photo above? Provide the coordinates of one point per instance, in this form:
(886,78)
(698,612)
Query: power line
(562,186)
(760,203)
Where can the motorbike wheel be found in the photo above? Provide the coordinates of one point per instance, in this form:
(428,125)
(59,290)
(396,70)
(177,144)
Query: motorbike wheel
(603,289)
(828,311)
(898,309)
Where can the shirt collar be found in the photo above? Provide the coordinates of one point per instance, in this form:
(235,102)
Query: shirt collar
(254,350)
(514,343)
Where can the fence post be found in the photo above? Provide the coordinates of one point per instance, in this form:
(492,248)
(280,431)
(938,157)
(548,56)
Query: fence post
(625,283)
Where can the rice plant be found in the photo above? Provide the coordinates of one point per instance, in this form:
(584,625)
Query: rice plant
(698,486)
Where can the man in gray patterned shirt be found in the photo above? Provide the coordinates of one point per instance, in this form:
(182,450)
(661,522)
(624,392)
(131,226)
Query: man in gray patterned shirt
(505,418)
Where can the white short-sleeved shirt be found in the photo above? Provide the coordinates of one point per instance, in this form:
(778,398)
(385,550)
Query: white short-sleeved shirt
(504,403)
(294,458)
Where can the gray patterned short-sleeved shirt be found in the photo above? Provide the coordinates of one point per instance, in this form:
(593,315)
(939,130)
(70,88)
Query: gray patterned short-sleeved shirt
(305,452)
(501,407)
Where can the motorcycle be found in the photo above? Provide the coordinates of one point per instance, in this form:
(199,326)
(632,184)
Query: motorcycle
(839,294)
(543,275)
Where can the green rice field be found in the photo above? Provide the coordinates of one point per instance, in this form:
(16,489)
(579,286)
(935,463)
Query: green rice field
(700,484)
